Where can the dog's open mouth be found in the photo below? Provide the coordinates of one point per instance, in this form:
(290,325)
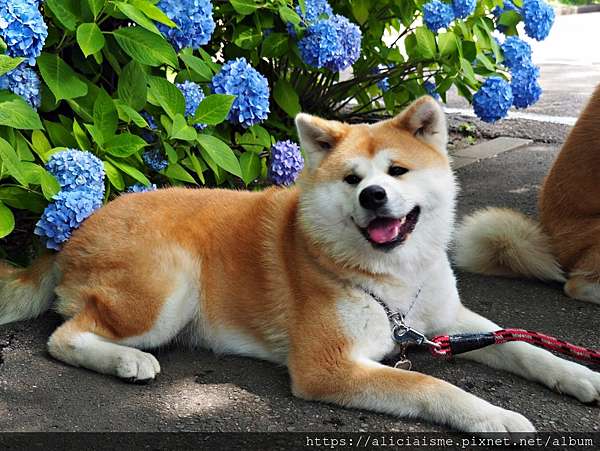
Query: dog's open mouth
(387,233)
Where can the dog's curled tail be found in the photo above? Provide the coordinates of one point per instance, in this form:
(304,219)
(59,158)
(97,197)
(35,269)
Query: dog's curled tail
(27,292)
(503,242)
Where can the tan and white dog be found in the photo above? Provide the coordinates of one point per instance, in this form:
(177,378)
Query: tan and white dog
(281,275)
(565,245)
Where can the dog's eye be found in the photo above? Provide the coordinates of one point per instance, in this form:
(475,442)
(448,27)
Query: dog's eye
(352,179)
(396,171)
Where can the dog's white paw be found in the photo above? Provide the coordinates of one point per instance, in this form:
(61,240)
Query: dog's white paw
(496,419)
(578,381)
(136,366)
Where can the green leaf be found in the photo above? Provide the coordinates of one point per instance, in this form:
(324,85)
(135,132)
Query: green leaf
(360,10)
(22,148)
(509,19)
(7,220)
(287,14)
(114,176)
(213,109)
(8,63)
(80,136)
(21,198)
(137,16)
(244,7)
(447,43)
(60,78)
(425,42)
(96,6)
(177,172)
(168,96)
(105,116)
(221,154)
(16,113)
(198,66)
(255,139)
(469,50)
(286,97)
(124,145)
(246,37)
(131,171)
(90,38)
(181,129)
(487,63)
(40,144)
(250,165)
(61,10)
(11,162)
(128,114)
(145,47)
(197,166)
(153,12)
(132,87)
(49,184)
(467,71)
(33,172)
(275,45)
(171,153)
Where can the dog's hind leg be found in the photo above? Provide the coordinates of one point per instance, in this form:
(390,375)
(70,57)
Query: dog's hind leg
(584,280)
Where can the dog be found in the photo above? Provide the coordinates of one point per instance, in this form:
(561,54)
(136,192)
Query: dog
(565,245)
(290,275)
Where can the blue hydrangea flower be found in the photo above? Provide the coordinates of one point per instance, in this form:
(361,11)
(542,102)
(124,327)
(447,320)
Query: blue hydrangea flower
(140,188)
(250,88)
(75,169)
(508,6)
(194,19)
(437,14)
(332,43)
(538,17)
(65,213)
(314,10)
(286,163)
(149,120)
(24,82)
(525,87)
(463,8)
(516,51)
(155,160)
(493,100)
(22,28)
(148,133)
(384,83)
(430,87)
(193,94)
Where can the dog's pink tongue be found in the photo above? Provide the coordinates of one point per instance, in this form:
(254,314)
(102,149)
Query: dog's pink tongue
(384,230)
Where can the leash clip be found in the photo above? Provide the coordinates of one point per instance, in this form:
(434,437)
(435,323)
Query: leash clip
(402,334)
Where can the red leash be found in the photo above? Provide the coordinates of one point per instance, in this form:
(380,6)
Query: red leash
(449,345)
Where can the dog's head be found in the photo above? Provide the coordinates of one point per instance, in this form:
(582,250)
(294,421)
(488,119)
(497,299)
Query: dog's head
(378,195)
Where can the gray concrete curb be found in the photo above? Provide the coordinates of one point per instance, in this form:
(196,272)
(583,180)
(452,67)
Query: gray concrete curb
(582,9)
(488,149)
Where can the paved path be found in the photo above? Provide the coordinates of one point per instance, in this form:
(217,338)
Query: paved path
(198,391)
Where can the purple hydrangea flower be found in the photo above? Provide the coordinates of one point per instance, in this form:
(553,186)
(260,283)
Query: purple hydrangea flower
(155,160)
(22,28)
(76,169)
(193,94)
(194,19)
(286,163)
(525,87)
(140,188)
(24,82)
(332,43)
(437,14)
(250,88)
(493,100)
(538,17)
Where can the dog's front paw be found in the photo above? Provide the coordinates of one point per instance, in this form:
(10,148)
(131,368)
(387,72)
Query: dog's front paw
(136,366)
(578,381)
(497,419)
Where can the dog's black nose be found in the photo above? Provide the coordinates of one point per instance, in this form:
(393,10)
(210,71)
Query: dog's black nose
(372,197)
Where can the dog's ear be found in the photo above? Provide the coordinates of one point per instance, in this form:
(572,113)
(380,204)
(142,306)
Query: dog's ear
(318,136)
(425,119)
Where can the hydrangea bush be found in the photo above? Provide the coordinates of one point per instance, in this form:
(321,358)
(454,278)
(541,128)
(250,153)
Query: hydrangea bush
(102,97)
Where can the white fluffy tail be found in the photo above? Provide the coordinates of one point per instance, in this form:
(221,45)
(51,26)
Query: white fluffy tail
(503,242)
(27,293)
